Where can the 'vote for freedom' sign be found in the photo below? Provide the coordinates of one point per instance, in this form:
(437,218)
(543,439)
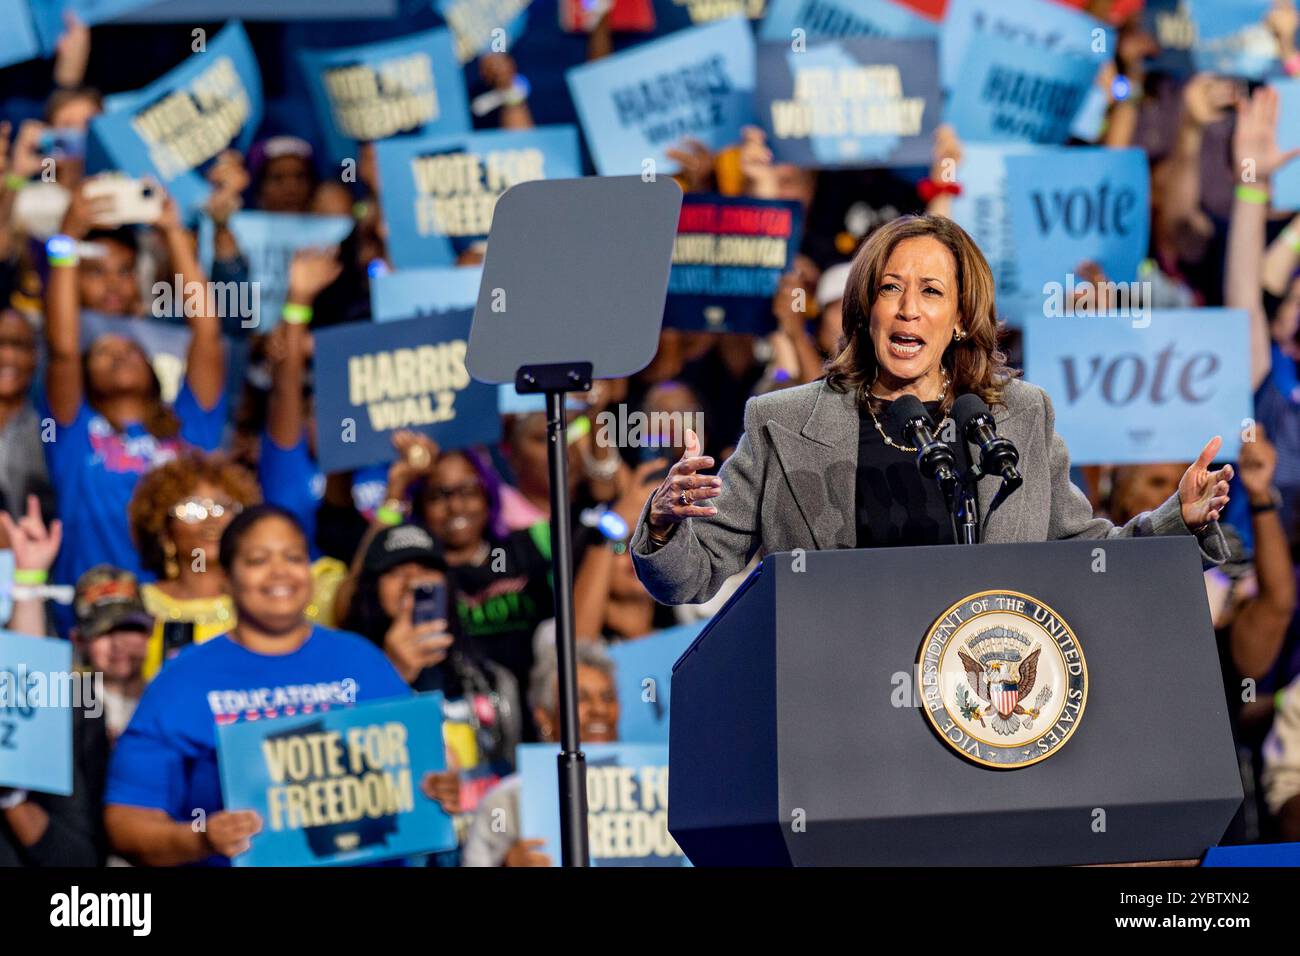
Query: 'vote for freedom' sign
(727,262)
(178,123)
(371,92)
(341,786)
(440,192)
(627,804)
(373,379)
(1151,389)
(856,102)
(696,83)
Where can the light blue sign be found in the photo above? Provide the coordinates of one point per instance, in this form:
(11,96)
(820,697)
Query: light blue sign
(832,19)
(1132,390)
(371,92)
(627,804)
(645,670)
(852,102)
(36,700)
(696,83)
(360,767)
(268,241)
(177,124)
(1013,92)
(473,23)
(440,191)
(202,11)
(408,293)
(19,40)
(984,210)
(1084,204)
(1231,38)
(1286,181)
(1040,27)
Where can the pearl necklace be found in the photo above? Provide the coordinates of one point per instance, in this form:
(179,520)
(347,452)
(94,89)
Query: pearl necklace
(875,421)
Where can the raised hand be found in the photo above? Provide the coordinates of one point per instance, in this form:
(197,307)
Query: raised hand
(680,494)
(1254,141)
(310,272)
(34,546)
(1204,493)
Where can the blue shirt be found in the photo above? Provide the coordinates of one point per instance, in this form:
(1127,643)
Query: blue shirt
(94,469)
(291,479)
(166,759)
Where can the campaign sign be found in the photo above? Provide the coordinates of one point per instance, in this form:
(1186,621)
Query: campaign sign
(472,23)
(373,379)
(644,670)
(728,258)
(19,40)
(177,124)
(48,15)
(854,103)
(199,11)
(411,293)
(835,19)
(675,15)
(624,16)
(1090,204)
(1039,29)
(1232,39)
(984,210)
(627,804)
(1170,23)
(267,241)
(1150,388)
(340,786)
(37,693)
(365,93)
(1013,92)
(693,84)
(1286,181)
(440,191)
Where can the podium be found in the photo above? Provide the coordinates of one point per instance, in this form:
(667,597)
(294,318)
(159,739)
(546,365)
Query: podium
(799,734)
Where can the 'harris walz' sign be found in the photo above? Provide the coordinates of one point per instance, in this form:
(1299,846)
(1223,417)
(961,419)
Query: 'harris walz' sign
(375,379)
(850,102)
(727,262)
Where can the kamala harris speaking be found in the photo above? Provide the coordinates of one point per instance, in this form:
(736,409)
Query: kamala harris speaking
(824,465)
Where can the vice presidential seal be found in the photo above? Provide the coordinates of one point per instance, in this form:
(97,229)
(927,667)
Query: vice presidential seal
(1002,679)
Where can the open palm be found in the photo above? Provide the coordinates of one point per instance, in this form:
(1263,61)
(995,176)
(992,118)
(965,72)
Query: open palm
(1204,493)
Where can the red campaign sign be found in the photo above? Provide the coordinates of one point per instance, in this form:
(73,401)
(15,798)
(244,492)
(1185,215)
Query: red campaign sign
(734,220)
(627,16)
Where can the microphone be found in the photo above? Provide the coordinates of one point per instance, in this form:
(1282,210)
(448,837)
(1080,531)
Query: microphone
(998,456)
(934,459)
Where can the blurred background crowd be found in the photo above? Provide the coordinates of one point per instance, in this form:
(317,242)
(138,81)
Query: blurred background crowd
(122,493)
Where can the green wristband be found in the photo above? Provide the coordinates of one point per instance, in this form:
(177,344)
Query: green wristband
(296,314)
(15,182)
(388,516)
(30,576)
(1251,194)
(1292,239)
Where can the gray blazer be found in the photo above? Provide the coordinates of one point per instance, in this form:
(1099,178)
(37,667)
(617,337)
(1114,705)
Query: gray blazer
(792,480)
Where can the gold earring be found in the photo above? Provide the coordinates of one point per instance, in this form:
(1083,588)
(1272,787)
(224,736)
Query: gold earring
(170,567)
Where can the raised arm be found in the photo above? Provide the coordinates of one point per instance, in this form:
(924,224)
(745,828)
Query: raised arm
(1282,259)
(1256,157)
(63,308)
(205,363)
(310,272)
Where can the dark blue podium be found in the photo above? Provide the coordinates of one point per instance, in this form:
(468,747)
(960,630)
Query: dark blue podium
(795,741)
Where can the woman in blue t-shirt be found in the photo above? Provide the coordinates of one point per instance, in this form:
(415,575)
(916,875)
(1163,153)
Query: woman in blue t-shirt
(112,424)
(164,775)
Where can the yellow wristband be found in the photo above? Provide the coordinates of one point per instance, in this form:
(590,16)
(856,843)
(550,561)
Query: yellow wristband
(1291,238)
(1251,194)
(296,314)
(30,576)
(388,516)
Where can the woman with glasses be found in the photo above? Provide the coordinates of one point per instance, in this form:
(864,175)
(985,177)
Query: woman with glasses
(177,514)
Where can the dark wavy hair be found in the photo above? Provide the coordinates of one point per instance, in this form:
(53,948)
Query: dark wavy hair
(244,522)
(159,420)
(975,364)
(487,475)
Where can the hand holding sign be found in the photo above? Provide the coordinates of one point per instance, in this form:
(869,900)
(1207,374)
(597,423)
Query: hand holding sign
(1204,493)
(230,832)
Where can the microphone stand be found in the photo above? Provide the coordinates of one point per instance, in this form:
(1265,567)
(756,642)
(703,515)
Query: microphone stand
(966,506)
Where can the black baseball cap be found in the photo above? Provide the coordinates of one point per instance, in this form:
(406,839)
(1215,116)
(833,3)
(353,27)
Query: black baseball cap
(403,544)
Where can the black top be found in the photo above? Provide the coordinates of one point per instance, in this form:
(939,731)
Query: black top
(895,505)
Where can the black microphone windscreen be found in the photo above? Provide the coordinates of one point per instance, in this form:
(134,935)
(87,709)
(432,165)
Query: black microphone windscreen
(965,408)
(904,410)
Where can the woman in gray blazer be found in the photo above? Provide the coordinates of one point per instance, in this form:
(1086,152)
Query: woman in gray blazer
(818,466)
